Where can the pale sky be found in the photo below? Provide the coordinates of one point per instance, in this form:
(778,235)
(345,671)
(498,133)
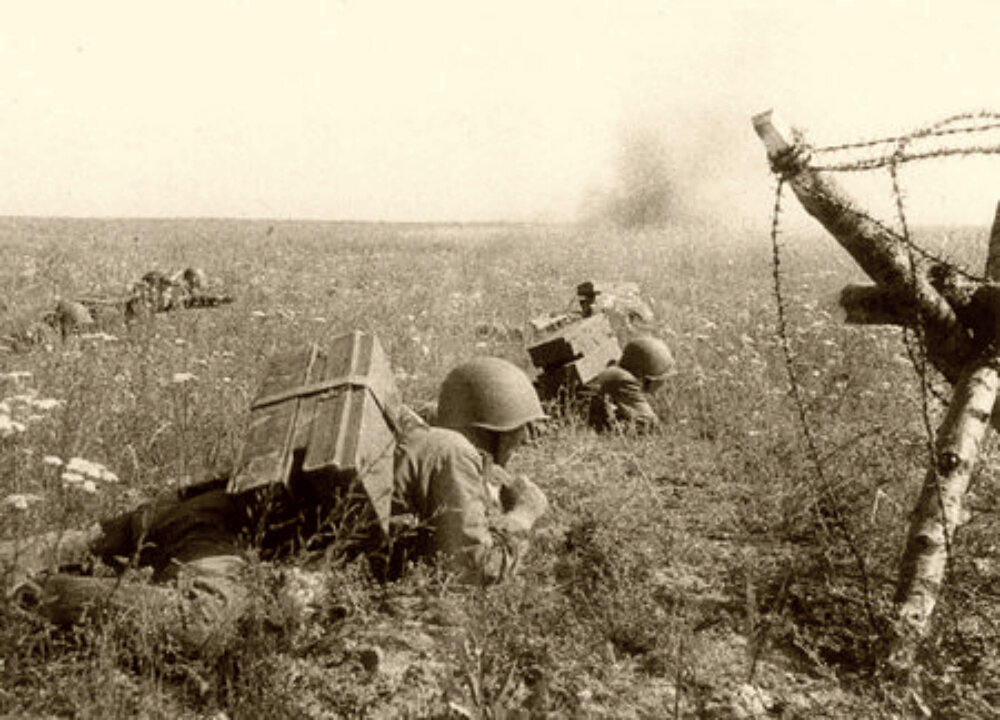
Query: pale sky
(435,110)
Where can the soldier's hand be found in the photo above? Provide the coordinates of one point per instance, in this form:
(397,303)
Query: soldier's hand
(523,496)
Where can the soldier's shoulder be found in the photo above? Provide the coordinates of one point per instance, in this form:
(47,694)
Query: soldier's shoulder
(436,442)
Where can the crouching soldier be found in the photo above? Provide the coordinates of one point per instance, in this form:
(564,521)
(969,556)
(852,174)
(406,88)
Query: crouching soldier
(621,393)
(471,514)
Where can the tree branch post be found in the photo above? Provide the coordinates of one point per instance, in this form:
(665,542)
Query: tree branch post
(879,251)
(961,321)
(940,510)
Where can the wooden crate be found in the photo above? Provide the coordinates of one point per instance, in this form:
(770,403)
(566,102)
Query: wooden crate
(323,423)
(587,346)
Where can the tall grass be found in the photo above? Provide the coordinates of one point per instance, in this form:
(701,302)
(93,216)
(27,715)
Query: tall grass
(706,571)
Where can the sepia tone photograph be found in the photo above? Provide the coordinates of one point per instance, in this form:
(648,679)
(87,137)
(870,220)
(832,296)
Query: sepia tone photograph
(499,360)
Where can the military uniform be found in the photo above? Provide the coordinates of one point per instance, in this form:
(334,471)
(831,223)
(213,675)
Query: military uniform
(194,544)
(618,400)
(441,478)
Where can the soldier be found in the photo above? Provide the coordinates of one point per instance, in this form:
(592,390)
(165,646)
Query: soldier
(194,280)
(157,292)
(621,392)
(453,474)
(471,514)
(69,317)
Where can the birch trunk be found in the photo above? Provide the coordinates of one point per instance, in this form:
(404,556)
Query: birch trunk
(961,320)
(940,510)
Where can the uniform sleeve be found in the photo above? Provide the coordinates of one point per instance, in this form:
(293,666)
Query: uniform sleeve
(478,543)
(632,407)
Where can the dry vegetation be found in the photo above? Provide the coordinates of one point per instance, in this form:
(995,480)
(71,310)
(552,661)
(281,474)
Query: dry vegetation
(709,571)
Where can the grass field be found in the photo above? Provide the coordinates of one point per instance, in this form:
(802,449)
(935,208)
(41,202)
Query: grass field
(687,574)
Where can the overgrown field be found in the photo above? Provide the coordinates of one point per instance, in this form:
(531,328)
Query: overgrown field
(712,570)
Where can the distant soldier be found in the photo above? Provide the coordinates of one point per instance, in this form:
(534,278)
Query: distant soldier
(621,393)
(157,292)
(195,288)
(69,317)
(449,478)
(194,280)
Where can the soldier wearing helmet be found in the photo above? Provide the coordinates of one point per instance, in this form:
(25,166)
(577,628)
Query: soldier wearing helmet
(621,392)
(452,475)
(450,479)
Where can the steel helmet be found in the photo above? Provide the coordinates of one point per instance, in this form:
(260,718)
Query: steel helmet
(488,393)
(195,278)
(647,358)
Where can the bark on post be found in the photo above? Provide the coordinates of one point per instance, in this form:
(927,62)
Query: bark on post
(874,305)
(940,510)
(881,253)
(993,256)
(961,320)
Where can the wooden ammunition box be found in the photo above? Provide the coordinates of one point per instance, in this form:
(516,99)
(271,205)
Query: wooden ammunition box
(323,424)
(586,347)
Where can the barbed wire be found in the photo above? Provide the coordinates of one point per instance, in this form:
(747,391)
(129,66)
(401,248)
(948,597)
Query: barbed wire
(831,508)
(887,161)
(863,144)
(940,129)
(800,156)
(918,359)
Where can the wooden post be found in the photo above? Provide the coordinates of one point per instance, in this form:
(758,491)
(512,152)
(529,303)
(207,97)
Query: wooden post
(961,321)
(874,305)
(993,255)
(881,253)
(940,510)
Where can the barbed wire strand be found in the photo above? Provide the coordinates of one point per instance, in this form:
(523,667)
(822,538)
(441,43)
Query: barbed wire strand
(831,509)
(918,356)
(920,361)
(938,128)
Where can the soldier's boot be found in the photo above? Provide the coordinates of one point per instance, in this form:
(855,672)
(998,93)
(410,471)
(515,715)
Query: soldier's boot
(23,558)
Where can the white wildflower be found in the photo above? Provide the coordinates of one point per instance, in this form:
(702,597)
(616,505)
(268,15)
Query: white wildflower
(79,465)
(259,314)
(88,486)
(52,461)
(85,469)
(180,341)
(4,407)
(46,403)
(184,377)
(98,337)
(20,501)
(9,427)
(72,478)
